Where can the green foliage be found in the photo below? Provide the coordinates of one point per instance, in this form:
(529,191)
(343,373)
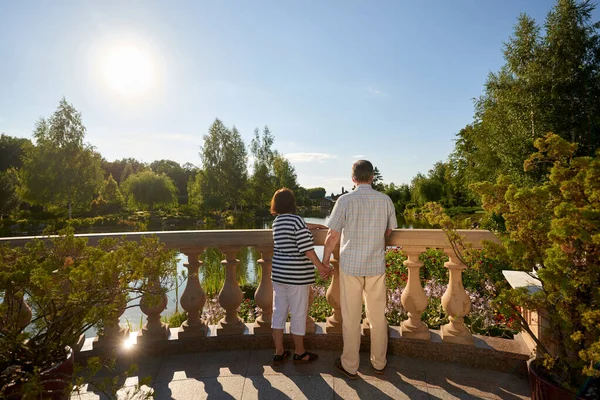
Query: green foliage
(271,171)
(11,151)
(61,169)
(179,175)
(147,190)
(175,320)
(121,169)
(247,310)
(549,83)
(224,173)
(377,180)
(9,196)
(316,193)
(284,173)
(553,228)
(70,287)
(400,196)
(320,309)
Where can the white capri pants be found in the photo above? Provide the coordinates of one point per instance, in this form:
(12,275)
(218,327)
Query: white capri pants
(292,298)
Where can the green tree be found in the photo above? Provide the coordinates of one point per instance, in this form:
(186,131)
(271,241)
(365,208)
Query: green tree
(549,83)
(121,169)
(400,195)
(177,174)
(378,180)
(224,168)
(554,228)
(284,173)
(9,196)
(261,147)
(61,170)
(12,150)
(262,184)
(148,190)
(424,189)
(316,193)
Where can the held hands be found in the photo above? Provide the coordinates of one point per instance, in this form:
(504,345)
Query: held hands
(325,270)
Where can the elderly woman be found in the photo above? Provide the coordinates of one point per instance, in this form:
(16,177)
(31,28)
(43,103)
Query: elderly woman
(294,261)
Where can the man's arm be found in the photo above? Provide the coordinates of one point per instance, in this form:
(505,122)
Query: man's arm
(330,241)
(388,232)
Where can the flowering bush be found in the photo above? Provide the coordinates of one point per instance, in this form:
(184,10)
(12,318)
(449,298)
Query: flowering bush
(478,281)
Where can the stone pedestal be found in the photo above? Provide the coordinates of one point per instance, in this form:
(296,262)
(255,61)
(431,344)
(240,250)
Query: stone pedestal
(457,304)
(414,300)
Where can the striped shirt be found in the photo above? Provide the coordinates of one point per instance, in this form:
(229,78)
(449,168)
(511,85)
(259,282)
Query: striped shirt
(363,216)
(292,239)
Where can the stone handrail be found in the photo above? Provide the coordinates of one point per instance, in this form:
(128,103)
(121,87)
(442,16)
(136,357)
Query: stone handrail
(192,243)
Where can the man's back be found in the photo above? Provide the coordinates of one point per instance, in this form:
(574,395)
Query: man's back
(362,217)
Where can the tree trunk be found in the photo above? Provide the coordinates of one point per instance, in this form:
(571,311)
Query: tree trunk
(70,208)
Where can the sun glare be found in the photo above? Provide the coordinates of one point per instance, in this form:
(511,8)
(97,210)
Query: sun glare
(128,71)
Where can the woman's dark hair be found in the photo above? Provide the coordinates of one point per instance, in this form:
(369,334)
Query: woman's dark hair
(283,202)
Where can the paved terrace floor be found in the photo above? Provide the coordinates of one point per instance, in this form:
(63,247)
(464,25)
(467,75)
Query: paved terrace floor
(248,374)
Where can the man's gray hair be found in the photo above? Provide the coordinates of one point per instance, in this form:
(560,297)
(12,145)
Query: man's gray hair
(362,171)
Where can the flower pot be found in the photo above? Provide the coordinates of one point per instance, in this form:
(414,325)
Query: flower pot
(54,381)
(542,388)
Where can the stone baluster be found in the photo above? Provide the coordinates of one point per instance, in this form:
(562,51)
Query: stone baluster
(152,304)
(311,326)
(114,334)
(456,304)
(193,298)
(334,321)
(231,296)
(366,327)
(414,300)
(264,293)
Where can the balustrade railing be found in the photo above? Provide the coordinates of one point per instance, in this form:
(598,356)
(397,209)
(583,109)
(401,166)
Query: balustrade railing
(455,301)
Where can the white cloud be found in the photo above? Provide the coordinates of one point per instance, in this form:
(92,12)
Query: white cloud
(308,157)
(376,92)
(359,156)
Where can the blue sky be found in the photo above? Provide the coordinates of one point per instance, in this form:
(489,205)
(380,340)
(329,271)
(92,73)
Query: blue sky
(389,81)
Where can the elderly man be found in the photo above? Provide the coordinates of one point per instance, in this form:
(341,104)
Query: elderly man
(363,219)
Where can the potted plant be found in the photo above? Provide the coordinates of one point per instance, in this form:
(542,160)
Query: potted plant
(551,230)
(55,290)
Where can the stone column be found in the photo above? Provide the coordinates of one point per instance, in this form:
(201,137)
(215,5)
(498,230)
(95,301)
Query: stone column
(264,293)
(457,304)
(414,300)
(311,327)
(114,334)
(231,296)
(193,298)
(152,304)
(334,321)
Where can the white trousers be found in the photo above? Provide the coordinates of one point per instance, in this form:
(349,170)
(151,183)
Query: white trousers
(292,299)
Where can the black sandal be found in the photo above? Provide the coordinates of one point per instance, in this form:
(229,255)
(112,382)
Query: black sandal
(279,358)
(299,358)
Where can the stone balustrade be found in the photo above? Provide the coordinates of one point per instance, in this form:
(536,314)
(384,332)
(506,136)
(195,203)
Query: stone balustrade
(192,244)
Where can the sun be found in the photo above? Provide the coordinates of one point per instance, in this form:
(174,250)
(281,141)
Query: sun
(128,71)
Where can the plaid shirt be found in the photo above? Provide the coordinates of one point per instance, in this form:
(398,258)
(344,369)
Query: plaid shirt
(362,217)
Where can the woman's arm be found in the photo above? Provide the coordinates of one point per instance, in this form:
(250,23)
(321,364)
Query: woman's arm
(324,271)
